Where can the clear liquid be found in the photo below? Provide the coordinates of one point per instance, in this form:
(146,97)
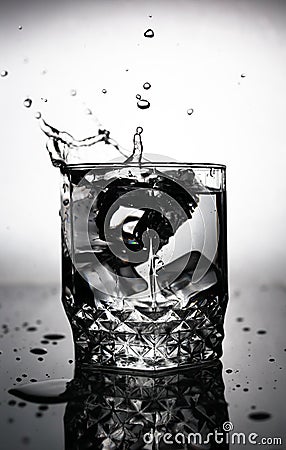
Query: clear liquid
(144,276)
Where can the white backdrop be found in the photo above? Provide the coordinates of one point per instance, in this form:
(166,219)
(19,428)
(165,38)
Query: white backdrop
(195,60)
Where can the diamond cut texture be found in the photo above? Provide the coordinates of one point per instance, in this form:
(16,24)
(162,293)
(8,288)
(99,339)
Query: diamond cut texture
(123,411)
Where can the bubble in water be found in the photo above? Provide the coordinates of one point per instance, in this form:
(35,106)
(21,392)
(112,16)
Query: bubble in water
(149,33)
(104,91)
(259,416)
(143,104)
(146,85)
(138,96)
(4,73)
(190,111)
(38,115)
(73,92)
(38,351)
(27,103)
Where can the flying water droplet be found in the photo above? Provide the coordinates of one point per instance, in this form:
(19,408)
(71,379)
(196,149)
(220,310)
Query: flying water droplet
(149,33)
(190,111)
(88,112)
(146,85)
(27,103)
(20,27)
(4,73)
(243,75)
(104,91)
(138,96)
(143,104)
(38,115)
(73,92)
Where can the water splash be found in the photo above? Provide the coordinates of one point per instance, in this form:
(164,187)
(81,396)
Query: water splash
(137,147)
(60,143)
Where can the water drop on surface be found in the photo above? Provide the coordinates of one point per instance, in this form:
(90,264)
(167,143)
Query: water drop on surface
(38,351)
(146,85)
(259,416)
(149,33)
(54,337)
(190,111)
(4,73)
(47,392)
(73,92)
(27,102)
(143,104)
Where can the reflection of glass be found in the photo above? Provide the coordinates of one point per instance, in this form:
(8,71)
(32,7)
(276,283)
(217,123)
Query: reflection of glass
(144,263)
(125,411)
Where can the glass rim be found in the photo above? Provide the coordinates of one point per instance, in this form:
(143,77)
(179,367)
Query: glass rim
(120,165)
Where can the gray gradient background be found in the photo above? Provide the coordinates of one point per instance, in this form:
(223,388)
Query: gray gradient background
(195,60)
(199,51)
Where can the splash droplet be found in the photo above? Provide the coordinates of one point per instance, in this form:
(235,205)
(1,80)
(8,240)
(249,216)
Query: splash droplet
(149,33)
(4,73)
(146,85)
(27,103)
(243,75)
(143,104)
(261,332)
(104,91)
(20,27)
(138,96)
(228,370)
(88,112)
(73,92)
(38,115)
(190,111)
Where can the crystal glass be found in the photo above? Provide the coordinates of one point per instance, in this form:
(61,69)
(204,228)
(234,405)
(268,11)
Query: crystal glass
(144,263)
